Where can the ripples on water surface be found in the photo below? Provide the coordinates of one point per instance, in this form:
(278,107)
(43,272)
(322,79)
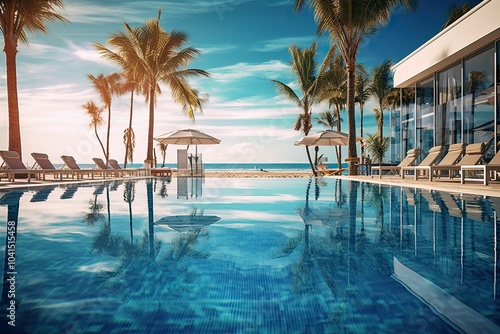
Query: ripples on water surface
(249,256)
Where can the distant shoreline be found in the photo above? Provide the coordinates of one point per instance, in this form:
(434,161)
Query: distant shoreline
(257,174)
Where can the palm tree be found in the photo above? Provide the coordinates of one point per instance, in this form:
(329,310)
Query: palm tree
(381,87)
(106,86)
(129,84)
(17,17)
(163,150)
(349,22)
(328,119)
(305,68)
(157,56)
(363,93)
(335,91)
(96,119)
(377,146)
(455,12)
(379,119)
(129,141)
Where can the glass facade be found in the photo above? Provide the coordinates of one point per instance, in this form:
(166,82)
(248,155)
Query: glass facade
(449,106)
(425,114)
(479,112)
(497,138)
(407,119)
(455,105)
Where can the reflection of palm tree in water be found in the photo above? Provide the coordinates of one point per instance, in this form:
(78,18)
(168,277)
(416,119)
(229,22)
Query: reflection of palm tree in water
(95,214)
(340,258)
(24,318)
(128,197)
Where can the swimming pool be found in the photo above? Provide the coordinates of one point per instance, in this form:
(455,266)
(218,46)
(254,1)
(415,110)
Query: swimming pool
(248,256)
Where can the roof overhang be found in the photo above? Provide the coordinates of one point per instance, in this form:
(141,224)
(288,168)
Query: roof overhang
(476,29)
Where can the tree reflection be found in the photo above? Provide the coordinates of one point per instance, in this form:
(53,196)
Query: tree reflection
(145,273)
(128,197)
(23,317)
(337,253)
(94,215)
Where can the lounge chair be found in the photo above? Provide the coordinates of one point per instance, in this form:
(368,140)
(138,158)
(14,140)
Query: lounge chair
(13,165)
(409,160)
(429,160)
(454,153)
(100,166)
(115,166)
(324,171)
(71,165)
(44,166)
(488,170)
(473,155)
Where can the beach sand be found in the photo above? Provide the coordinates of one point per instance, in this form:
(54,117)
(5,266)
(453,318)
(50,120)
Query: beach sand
(258,174)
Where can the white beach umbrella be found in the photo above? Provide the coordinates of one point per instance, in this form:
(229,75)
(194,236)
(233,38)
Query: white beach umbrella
(187,137)
(325,138)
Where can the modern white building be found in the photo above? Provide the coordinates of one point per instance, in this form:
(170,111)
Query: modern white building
(450,86)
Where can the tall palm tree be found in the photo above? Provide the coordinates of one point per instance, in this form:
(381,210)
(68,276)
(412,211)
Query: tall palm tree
(17,17)
(329,120)
(106,86)
(128,84)
(381,87)
(96,119)
(379,119)
(129,141)
(363,94)
(335,90)
(157,56)
(455,12)
(349,22)
(305,68)
(163,150)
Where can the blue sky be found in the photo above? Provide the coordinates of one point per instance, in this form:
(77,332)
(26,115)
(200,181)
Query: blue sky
(244,44)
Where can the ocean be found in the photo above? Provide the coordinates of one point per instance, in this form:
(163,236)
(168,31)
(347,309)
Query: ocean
(234,166)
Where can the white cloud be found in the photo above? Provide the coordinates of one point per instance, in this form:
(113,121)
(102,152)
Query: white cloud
(269,69)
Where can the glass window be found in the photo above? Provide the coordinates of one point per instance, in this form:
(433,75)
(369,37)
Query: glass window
(396,136)
(425,115)
(449,106)
(479,97)
(498,96)
(407,120)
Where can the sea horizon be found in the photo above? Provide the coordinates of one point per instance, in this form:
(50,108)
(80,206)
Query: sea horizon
(234,166)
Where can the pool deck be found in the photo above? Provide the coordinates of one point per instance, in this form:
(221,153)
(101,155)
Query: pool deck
(444,184)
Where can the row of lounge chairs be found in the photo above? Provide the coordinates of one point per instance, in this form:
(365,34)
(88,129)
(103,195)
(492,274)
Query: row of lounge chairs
(462,159)
(13,165)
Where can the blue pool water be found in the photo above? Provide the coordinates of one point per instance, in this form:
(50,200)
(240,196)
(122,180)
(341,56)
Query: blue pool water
(195,255)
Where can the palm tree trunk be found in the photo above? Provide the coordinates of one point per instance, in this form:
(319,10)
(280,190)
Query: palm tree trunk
(107,135)
(351,121)
(149,152)
(12,97)
(361,105)
(310,161)
(381,123)
(128,146)
(99,139)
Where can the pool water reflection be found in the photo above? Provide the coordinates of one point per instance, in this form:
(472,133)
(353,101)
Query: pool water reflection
(248,256)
